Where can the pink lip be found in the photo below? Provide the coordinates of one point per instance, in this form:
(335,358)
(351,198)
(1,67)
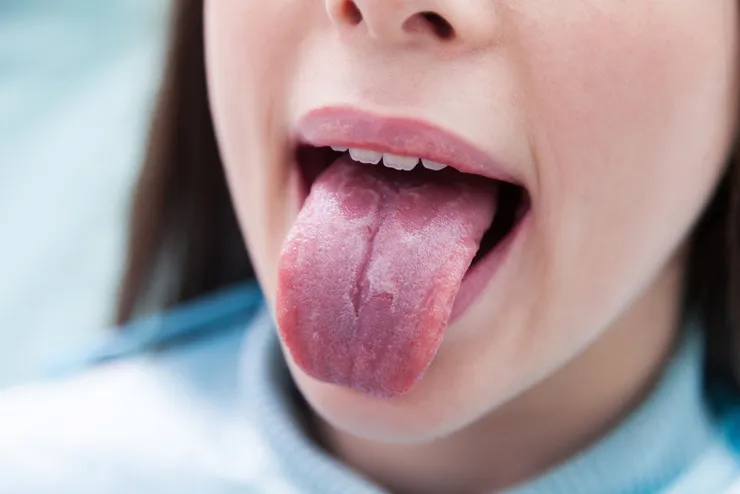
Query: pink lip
(352,128)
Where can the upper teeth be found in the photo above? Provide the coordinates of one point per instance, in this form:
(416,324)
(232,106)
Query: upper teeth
(389,160)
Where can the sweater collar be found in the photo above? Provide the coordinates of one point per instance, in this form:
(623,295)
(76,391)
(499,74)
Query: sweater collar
(648,451)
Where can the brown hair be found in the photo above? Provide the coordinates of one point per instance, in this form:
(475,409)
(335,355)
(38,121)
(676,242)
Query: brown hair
(183,227)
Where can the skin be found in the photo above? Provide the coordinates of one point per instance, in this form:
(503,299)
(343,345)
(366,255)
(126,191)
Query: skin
(617,116)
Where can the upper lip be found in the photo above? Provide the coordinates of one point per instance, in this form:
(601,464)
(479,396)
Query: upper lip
(353,128)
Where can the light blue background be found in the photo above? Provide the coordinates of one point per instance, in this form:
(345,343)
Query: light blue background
(77,81)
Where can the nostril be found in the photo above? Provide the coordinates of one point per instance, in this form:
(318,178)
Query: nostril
(351,12)
(439,25)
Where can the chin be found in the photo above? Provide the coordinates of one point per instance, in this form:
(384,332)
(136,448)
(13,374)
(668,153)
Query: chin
(413,418)
(440,404)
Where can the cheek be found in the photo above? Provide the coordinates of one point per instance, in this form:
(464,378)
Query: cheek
(247,90)
(628,112)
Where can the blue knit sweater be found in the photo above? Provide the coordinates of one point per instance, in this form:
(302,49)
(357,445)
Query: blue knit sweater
(190,402)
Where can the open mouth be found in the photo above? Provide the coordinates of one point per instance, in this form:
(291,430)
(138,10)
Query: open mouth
(512,200)
(402,226)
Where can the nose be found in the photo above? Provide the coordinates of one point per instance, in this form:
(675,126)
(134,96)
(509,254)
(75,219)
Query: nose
(472,22)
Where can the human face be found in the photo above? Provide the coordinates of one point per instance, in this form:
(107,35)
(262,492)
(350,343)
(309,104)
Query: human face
(614,116)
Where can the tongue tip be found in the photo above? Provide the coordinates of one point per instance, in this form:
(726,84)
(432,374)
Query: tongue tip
(387,389)
(391,374)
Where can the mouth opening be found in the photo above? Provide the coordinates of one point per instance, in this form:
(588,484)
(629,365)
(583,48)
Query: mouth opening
(513,201)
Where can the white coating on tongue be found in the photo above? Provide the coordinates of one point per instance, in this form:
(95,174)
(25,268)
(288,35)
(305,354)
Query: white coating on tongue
(369,273)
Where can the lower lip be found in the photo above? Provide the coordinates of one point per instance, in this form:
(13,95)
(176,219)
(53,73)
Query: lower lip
(477,278)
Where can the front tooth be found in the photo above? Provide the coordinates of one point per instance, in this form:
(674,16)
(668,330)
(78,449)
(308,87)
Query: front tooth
(365,156)
(339,148)
(433,165)
(400,162)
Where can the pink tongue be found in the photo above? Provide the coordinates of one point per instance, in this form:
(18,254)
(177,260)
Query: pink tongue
(370,270)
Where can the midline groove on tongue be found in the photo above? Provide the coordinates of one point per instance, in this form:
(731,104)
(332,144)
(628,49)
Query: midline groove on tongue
(359,291)
(370,270)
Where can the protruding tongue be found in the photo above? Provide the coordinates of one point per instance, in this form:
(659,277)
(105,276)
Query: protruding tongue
(370,270)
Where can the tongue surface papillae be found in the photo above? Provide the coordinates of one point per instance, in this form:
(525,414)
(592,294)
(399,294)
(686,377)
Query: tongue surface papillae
(370,270)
